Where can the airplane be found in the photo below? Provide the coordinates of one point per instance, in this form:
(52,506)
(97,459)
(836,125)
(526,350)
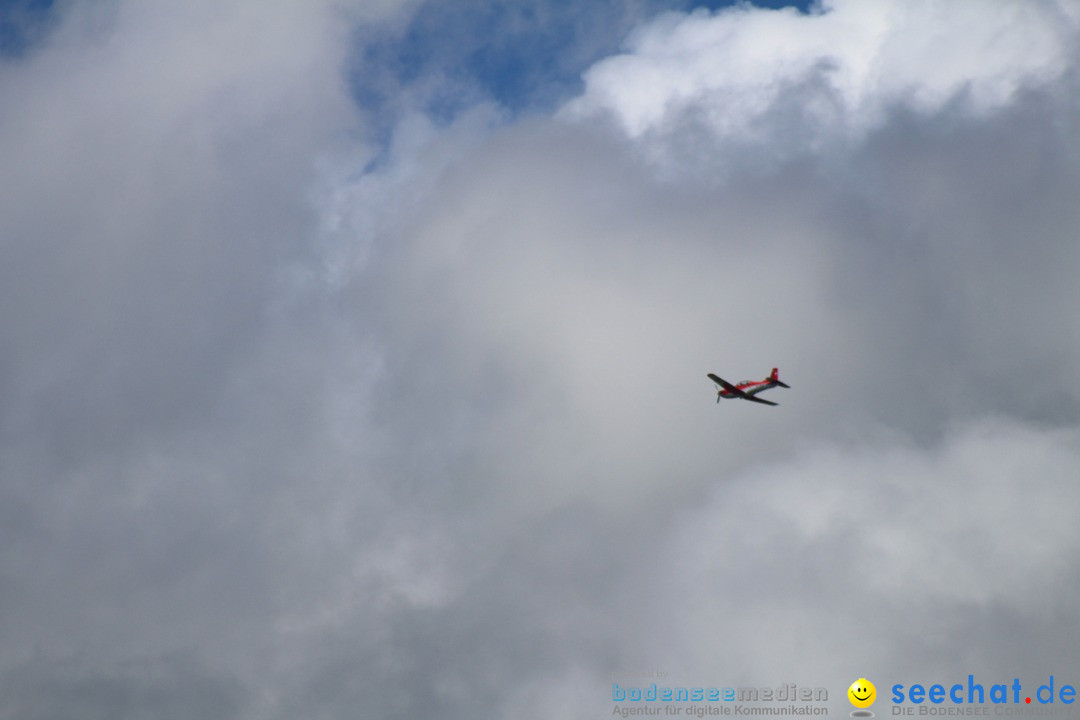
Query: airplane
(747,389)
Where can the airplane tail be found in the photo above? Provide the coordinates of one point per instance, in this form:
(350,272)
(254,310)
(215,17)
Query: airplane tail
(775,377)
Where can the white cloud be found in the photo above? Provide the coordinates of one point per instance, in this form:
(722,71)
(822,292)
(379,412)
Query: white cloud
(846,65)
(554,308)
(153,199)
(803,566)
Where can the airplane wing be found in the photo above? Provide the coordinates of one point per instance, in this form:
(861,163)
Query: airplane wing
(736,391)
(725,384)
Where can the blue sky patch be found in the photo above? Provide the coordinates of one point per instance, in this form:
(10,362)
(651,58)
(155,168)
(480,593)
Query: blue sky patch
(23,23)
(523,54)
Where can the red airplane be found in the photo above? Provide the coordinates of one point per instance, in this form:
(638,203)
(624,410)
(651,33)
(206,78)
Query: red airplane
(747,389)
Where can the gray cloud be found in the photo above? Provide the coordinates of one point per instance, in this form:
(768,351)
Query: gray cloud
(285,432)
(167,688)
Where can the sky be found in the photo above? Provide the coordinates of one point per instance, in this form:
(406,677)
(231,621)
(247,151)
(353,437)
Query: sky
(355,352)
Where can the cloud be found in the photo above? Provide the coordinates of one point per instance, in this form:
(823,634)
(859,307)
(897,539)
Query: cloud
(144,201)
(841,69)
(304,415)
(850,543)
(555,305)
(171,687)
(155,209)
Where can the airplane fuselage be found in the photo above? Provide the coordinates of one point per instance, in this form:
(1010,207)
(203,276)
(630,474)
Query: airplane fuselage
(750,387)
(747,389)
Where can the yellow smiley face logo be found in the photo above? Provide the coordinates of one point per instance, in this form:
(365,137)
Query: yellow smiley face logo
(862,693)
